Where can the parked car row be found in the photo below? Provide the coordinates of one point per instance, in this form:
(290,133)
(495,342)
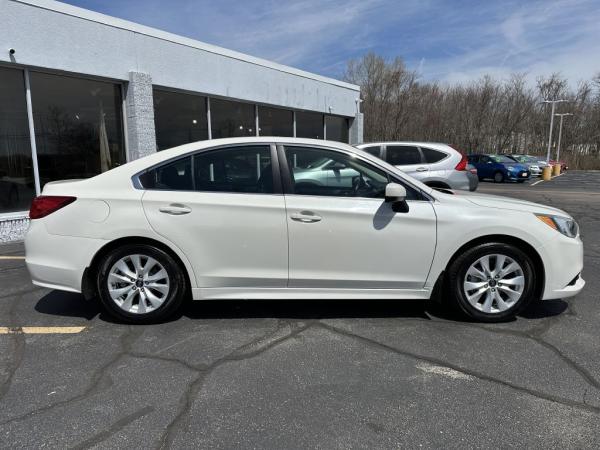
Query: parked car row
(441,166)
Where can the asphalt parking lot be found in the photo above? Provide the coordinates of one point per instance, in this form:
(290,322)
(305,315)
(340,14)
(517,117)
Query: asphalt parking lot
(318,374)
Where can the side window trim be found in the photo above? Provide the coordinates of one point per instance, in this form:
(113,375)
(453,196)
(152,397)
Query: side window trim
(275,168)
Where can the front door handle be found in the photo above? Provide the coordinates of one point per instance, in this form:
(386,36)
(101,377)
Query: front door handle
(175,209)
(421,169)
(306,217)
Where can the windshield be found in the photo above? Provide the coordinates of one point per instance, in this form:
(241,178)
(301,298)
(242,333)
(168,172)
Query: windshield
(521,158)
(501,159)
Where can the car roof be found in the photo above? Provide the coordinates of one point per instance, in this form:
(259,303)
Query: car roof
(433,145)
(402,143)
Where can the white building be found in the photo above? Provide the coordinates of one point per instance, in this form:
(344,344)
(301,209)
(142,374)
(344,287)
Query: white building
(81,92)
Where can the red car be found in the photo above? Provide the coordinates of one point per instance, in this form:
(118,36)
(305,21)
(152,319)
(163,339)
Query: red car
(563,164)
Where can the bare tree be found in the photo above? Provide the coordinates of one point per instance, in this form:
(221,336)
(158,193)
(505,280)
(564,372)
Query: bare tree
(486,115)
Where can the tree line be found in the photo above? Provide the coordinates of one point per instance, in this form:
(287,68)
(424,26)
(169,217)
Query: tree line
(486,115)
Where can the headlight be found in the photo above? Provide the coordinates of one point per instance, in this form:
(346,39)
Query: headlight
(564,225)
(510,168)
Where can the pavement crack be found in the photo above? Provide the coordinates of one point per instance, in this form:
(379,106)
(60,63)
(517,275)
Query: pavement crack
(535,335)
(97,377)
(259,346)
(114,428)
(436,361)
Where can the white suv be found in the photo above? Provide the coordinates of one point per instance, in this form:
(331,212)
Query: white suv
(436,165)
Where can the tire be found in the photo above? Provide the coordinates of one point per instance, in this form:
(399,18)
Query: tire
(498,177)
(163,288)
(465,296)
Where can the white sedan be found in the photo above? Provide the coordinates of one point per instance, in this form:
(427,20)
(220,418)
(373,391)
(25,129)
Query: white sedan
(252,218)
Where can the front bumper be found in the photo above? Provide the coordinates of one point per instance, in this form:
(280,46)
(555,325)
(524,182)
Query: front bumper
(563,264)
(520,175)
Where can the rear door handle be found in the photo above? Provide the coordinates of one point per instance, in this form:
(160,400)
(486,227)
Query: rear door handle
(421,169)
(306,217)
(175,209)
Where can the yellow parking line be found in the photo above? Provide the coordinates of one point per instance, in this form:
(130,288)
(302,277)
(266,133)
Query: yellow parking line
(12,257)
(41,330)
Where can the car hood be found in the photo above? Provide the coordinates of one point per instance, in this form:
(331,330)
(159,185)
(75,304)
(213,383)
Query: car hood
(516,165)
(499,202)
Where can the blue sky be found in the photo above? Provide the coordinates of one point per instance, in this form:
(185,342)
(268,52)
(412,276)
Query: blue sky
(448,41)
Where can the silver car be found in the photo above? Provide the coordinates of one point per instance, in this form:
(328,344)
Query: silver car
(535,163)
(437,165)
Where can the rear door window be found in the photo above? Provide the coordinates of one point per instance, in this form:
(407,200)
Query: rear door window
(403,155)
(244,169)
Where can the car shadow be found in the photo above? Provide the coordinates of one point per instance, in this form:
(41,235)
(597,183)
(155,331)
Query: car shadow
(66,304)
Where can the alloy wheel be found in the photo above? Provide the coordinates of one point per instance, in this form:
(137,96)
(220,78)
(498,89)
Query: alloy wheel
(494,283)
(138,284)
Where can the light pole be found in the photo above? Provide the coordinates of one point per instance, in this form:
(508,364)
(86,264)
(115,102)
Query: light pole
(560,134)
(553,102)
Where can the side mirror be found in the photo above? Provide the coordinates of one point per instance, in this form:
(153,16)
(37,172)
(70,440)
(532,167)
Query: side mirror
(396,195)
(337,166)
(394,192)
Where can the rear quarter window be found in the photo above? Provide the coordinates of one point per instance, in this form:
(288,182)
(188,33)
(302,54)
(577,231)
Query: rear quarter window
(374,150)
(432,156)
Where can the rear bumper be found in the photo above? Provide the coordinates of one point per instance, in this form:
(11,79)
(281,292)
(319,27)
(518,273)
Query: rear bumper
(58,262)
(460,180)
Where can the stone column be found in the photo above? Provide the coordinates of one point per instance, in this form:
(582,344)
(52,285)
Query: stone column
(141,136)
(356,130)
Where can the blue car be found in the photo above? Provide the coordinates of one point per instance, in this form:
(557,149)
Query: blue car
(499,168)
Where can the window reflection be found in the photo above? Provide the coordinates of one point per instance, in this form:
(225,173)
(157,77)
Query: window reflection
(78,126)
(16,169)
(231,119)
(337,128)
(275,121)
(309,125)
(179,118)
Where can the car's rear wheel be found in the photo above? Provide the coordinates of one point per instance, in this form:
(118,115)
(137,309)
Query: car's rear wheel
(492,282)
(498,177)
(140,284)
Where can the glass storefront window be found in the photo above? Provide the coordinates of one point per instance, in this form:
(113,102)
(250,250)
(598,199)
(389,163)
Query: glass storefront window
(336,128)
(231,119)
(309,125)
(275,121)
(17,186)
(78,126)
(179,118)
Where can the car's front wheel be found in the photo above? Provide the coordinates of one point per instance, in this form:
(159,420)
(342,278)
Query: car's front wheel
(492,282)
(498,177)
(140,284)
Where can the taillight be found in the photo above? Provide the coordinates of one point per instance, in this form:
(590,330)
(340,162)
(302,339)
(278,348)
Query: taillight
(47,204)
(462,165)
